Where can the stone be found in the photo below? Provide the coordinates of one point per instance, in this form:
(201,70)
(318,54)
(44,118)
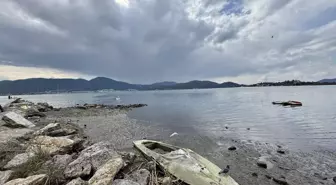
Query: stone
(140,176)
(81,107)
(281,151)
(47,129)
(32,180)
(232,148)
(19,160)
(10,134)
(77,181)
(262,164)
(254,174)
(105,174)
(61,161)
(280,181)
(5,176)
(51,145)
(334,179)
(124,182)
(62,132)
(89,159)
(166,181)
(268,176)
(33,112)
(15,120)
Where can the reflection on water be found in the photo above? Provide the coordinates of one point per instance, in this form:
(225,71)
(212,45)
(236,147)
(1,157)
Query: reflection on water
(209,111)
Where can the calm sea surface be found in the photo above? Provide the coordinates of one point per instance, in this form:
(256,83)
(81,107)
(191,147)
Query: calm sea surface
(209,112)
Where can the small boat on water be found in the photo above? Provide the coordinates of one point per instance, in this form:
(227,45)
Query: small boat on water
(183,163)
(287,103)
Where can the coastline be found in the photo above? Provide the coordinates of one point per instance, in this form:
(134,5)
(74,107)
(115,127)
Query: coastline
(112,125)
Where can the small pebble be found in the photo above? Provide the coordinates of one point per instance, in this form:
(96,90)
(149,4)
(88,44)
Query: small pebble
(227,127)
(268,176)
(232,148)
(334,179)
(262,164)
(254,174)
(248,129)
(280,181)
(281,151)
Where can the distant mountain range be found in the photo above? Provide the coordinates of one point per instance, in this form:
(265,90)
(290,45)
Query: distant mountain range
(42,85)
(333,80)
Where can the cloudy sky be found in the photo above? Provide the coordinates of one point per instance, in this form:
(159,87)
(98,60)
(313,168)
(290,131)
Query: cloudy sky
(144,41)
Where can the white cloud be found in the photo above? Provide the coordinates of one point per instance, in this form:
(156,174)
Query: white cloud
(153,40)
(8,72)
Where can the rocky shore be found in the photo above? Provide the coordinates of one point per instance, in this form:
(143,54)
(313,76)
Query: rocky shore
(38,147)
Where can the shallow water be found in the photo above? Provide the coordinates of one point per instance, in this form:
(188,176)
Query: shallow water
(208,112)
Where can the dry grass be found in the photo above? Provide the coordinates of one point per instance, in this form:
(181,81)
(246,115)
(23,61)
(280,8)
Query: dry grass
(32,166)
(8,151)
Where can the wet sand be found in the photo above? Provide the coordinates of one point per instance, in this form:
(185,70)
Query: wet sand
(292,167)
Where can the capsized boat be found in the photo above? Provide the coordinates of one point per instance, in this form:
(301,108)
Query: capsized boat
(183,163)
(287,103)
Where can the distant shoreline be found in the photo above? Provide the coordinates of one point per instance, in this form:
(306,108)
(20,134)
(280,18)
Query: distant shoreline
(100,84)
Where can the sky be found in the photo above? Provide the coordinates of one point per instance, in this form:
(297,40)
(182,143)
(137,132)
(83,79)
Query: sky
(146,41)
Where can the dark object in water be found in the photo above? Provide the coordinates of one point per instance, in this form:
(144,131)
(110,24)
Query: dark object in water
(287,103)
(1,109)
(232,148)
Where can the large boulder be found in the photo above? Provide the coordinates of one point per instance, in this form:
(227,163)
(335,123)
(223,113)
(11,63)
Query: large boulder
(52,145)
(19,160)
(140,176)
(90,159)
(5,176)
(33,112)
(124,182)
(15,120)
(77,181)
(44,107)
(106,173)
(32,180)
(47,129)
(60,161)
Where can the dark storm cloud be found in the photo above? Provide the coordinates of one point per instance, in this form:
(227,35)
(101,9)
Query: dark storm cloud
(150,40)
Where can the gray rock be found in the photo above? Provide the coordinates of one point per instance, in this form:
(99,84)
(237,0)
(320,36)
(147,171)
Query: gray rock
(33,112)
(32,180)
(15,120)
(281,151)
(280,181)
(90,159)
(334,179)
(140,176)
(51,145)
(5,175)
(254,174)
(262,164)
(19,160)
(105,174)
(62,132)
(166,181)
(124,182)
(47,129)
(232,148)
(77,181)
(61,161)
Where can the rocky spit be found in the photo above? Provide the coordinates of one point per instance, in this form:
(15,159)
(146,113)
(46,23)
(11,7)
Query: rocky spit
(39,147)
